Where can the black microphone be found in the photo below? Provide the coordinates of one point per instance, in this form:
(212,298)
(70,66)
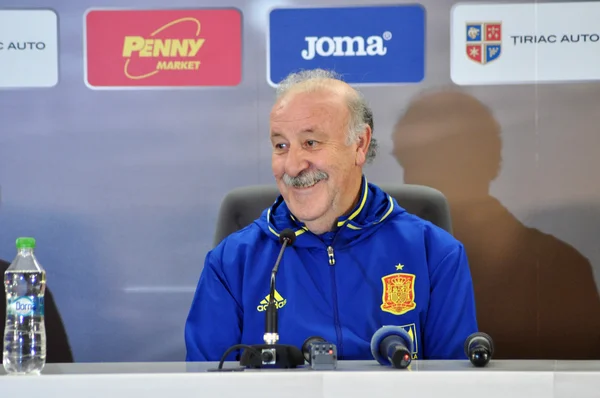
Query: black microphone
(479,348)
(286,238)
(273,354)
(392,345)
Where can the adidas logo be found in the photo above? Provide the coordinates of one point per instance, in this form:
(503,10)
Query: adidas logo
(279,302)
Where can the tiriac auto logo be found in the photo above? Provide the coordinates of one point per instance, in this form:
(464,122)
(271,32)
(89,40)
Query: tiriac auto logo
(163,48)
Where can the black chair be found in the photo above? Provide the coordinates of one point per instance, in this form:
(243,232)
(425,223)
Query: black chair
(244,205)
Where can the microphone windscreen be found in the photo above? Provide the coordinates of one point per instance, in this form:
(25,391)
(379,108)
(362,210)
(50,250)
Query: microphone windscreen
(479,335)
(381,334)
(289,235)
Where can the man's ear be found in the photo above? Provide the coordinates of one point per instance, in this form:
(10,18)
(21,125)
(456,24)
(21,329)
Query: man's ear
(362,148)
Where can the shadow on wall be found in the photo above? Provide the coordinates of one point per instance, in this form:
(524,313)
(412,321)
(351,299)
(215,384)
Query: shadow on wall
(532,290)
(577,221)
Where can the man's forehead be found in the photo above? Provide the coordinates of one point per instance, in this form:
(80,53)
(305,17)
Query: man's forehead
(306,105)
(308,125)
(301,112)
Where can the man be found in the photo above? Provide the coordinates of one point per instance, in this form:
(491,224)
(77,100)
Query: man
(359,260)
(58,349)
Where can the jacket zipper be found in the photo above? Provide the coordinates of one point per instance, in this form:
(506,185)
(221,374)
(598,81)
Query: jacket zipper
(336,314)
(330,255)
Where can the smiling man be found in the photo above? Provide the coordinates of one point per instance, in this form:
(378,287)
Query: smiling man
(359,260)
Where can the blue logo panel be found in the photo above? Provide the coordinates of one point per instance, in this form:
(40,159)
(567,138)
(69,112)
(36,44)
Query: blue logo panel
(366,45)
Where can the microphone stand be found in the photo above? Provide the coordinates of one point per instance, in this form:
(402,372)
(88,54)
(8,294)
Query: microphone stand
(272,354)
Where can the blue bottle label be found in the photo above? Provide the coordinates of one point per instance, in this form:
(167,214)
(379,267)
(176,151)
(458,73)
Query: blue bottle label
(26,306)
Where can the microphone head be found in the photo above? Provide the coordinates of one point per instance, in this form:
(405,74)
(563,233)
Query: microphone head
(480,357)
(479,336)
(289,235)
(306,346)
(381,334)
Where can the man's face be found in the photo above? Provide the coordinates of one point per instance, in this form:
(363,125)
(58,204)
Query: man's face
(311,161)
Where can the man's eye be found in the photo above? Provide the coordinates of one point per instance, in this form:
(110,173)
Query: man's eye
(280,146)
(311,143)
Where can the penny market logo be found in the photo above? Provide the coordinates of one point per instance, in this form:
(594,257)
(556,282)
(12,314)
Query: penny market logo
(171,54)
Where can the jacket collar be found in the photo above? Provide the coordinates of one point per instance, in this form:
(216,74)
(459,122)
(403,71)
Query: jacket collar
(374,206)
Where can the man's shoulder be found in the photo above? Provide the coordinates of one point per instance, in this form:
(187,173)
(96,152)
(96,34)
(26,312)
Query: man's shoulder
(249,235)
(415,229)
(238,244)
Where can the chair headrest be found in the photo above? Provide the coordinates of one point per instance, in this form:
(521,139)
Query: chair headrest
(243,205)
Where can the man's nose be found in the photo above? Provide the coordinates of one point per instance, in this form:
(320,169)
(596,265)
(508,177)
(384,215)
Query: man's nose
(296,162)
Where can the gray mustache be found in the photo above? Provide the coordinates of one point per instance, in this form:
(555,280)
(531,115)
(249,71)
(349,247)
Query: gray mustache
(305,179)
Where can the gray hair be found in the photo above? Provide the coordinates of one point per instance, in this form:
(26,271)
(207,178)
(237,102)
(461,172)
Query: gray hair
(361,114)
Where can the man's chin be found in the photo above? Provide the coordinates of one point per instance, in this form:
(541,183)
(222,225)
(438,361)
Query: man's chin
(304,201)
(306,213)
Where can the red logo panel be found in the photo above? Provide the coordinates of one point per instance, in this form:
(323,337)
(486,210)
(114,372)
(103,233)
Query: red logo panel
(163,48)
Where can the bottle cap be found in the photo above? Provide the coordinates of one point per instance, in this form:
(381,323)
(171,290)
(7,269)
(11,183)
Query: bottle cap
(25,243)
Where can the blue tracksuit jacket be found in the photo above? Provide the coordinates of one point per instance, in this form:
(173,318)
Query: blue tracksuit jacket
(380,266)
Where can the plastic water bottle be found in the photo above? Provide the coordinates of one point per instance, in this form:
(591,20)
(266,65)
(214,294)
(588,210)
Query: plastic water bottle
(25,331)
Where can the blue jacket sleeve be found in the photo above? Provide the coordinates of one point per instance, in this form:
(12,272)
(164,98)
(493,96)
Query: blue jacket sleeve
(451,317)
(214,322)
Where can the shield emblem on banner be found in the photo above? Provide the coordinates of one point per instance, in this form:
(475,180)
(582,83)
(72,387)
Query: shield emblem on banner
(484,41)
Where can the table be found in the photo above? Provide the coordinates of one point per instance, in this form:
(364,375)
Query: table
(514,379)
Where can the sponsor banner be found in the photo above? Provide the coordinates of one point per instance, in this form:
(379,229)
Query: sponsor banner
(28,48)
(367,45)
(525,43)
(163,48)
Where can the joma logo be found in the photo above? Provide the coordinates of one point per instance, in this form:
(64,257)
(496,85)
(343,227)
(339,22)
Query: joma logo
(345,46)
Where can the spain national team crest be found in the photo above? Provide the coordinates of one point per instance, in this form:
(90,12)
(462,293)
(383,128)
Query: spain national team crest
(484,41)
(398,293)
